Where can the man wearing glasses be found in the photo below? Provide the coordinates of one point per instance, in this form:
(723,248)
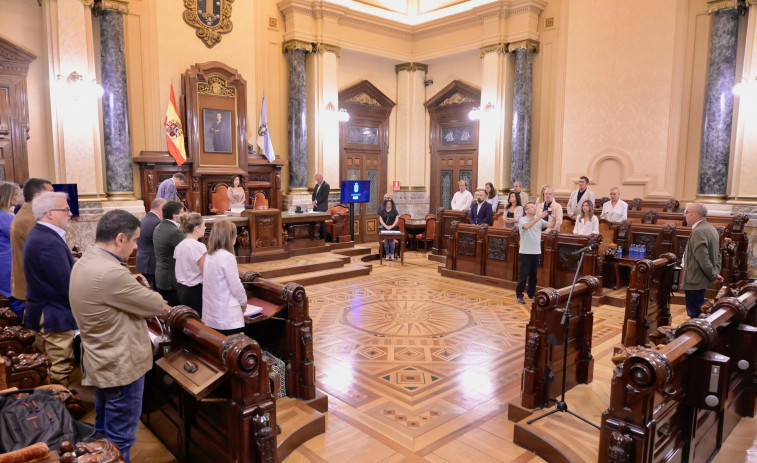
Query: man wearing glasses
(47,267)
(701,258)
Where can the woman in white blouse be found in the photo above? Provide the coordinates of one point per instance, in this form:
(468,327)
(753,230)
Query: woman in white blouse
(491,196)
(615,210)
(586,223)
(223,296)
(190,256)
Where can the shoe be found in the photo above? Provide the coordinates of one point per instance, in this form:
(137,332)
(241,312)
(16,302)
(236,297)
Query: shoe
(520,300)
(530,298)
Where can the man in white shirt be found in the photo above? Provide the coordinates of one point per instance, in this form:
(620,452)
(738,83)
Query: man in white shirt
(517,189)
(614,210)
(462,199)
(583,193)
(553,208)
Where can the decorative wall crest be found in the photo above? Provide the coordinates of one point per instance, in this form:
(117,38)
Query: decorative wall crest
(363,98)
(217,86)
(457,98)
(211,18)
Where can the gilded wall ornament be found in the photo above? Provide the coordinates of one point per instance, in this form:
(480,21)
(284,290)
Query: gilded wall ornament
(216,86)
(363,98)
(211,18)
(457,98)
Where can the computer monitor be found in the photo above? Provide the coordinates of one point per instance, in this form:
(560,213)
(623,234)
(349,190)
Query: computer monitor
(356,191)
(73,195)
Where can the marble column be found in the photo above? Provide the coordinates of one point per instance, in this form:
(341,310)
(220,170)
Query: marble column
(298,131)
(718,110)
(520,165)
(411,120)
(118,159)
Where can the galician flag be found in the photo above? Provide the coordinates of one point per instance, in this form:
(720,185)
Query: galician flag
(264,138)
(174,132)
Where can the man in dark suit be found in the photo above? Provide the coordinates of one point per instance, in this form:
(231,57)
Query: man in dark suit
(47,268)
(165,238)
(701,258)
(321,199)
(480,210)
(145,250)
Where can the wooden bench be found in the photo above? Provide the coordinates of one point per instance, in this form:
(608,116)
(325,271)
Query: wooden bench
(444,219)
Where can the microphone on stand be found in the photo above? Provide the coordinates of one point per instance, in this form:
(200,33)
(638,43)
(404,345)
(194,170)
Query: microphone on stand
(587,248)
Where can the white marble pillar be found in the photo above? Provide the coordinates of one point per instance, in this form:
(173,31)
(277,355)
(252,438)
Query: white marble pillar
(494,132)
(411,120)
(76,147)
(323,122)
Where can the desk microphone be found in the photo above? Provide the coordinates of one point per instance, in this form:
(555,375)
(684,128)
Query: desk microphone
(587,248)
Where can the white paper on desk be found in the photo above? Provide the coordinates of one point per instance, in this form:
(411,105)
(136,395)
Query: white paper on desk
(252,310)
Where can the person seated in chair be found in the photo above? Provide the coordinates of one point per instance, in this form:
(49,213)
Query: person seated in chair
(389,220)
(236,192)
(480,210)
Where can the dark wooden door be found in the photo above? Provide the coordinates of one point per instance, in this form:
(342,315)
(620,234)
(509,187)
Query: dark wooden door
(366,166)
(14,113)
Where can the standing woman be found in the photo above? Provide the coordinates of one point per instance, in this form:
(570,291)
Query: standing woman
(389,219)
(614,210)
(223,296)
(236,192)
(10,197)
(513,210)
(491,196)
(190,257)
(586,223)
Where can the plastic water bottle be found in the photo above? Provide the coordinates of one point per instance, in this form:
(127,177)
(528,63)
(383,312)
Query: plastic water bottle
(634,251)
(619,253)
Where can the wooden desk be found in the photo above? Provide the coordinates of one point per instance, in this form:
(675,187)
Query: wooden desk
(415,227)
(389,234)
(301,230)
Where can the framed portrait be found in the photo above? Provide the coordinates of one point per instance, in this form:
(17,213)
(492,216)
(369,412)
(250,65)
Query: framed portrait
(216,127)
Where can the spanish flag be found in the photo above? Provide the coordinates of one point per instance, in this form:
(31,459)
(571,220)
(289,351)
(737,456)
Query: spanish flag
(174,132)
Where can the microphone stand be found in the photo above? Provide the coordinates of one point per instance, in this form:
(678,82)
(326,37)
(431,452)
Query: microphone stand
(562,406)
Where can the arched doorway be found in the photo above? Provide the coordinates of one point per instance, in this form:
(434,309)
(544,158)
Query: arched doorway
(363,147)
(453,141)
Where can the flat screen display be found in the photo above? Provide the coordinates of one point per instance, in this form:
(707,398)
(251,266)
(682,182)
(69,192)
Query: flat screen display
(73,195)
(356,191)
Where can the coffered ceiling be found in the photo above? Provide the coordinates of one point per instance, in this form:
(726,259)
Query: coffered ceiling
(412,12)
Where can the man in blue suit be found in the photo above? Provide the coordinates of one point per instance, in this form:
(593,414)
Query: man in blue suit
(145,249)
(47,268)
(480,210)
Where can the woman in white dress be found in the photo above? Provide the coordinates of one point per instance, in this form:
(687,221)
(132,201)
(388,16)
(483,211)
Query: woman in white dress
(190,257)
(614,210)
(223,296)
(586,223)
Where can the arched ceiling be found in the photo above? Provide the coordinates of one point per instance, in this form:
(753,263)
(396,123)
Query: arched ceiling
(411,12)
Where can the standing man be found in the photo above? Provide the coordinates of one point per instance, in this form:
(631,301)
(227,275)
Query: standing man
(167,188)
(20,227)
(321,199)
(165,238)
(145,249)
(701,259)
(577,197)
(47,267)
(110,307)
(552,207)
(217,129)
(530,226)
(481,210)
(518,191)
(462,199)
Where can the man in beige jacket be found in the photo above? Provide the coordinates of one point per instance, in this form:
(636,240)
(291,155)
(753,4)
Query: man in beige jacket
(110,306)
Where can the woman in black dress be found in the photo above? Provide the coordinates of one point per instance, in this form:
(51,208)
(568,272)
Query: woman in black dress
(389,220)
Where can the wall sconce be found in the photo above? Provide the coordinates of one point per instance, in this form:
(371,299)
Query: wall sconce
(73,85)
(745,88)
(475,113)
(341,115)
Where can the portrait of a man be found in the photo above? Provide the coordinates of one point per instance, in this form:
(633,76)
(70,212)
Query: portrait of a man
(217,123)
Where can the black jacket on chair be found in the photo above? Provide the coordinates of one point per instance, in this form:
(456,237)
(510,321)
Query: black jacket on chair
(321,197)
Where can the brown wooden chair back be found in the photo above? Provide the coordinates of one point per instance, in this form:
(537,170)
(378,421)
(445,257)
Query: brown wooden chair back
(219,199)
(261,202)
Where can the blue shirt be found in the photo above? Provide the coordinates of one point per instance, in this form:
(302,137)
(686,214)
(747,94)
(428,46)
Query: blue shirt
(5,253)
(167,190)
(530,239)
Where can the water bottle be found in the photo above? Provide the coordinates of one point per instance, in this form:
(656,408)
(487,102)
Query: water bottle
(634,252)
(619,253)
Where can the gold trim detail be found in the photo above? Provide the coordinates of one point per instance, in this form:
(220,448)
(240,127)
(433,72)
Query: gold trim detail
(711,199)
(457,98)
(363,98)
(217,86)
(713,6)
(528,44)
(86,2)
(411,67)
(291,45)
(321,47)
(210,35)
(495,47)
(114,5)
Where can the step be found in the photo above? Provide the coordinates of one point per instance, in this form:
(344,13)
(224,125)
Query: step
(323,276)
(299,423)
(360,251)
(304,267)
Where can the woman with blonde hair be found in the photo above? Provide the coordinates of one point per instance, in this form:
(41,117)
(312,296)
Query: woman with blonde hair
(586,223)
(223,296)
(190,257)
(10,196)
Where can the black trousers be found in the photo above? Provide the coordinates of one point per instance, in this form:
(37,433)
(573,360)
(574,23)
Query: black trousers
(230,332)
(170,296)
(190,296)
(529,264)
